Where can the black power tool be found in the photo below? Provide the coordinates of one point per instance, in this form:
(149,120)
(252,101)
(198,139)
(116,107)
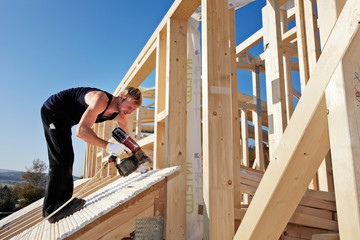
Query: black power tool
(130,164)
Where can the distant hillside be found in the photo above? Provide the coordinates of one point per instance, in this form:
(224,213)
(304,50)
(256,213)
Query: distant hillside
(10,177)
(7,170)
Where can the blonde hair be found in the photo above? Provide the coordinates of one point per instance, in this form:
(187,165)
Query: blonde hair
(132,93)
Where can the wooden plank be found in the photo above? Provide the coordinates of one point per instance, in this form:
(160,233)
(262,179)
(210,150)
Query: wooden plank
(252,106)
(301,42)
(312,221)
(326,236)
(288,36)
(217,135)
(175,140)
(160,86)
(235,124)
(275,88)
(259,152)
(305,217)
(304,143)
(312,34)
(244,138)
(147,142)
(325,173)
(316,212)
(139,113)
(249,43)
(289,96)
(298,232)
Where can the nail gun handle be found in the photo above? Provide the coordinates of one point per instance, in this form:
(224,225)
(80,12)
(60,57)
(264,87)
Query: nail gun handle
(122,137)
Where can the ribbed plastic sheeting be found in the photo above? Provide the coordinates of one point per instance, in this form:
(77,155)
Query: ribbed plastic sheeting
(149,228)
(20,214)
(98,204)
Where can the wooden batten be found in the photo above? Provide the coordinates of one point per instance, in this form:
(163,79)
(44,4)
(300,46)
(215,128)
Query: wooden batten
(275,87)
(160,85)
(259,161)
(175,140)
(235,114)
(217,112)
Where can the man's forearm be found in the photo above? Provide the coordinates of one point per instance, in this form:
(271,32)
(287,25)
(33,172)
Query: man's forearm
(89,136)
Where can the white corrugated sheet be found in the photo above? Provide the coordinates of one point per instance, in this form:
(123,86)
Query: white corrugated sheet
(98,204)
(18,215)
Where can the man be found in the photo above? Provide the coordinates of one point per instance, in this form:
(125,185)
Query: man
(83,106)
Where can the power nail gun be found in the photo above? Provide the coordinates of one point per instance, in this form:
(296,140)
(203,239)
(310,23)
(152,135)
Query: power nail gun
(130,164)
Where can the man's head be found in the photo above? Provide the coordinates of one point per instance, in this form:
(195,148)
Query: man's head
(129,100)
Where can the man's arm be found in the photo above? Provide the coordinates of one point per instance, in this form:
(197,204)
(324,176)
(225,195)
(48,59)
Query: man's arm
(97,102)
(122,122)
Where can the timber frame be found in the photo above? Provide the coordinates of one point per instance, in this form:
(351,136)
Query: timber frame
(313,148)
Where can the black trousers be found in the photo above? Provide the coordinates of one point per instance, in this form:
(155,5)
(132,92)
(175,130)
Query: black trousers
(59,187)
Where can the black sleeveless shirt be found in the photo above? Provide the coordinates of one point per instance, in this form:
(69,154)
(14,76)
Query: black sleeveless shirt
(71,104)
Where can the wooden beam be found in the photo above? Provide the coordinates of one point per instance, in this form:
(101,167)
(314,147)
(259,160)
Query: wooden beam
(342,98)
(160,93)
(175,140)
(275,87)
(289,96)
(256,116)
(235,114)
(249,43)
(217,111)
(301,41)
(304,143)
(244,138)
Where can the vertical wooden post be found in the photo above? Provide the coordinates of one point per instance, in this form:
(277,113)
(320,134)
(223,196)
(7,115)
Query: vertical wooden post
(312,36)
(139,113)
(244,137)
(235,113)
(275,87)
(343,105)
(217,121)
(289,96)
(301,42)
(86,163)
(175,128)
(160,93)
(256,116)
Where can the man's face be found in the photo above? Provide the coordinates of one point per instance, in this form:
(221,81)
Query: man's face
(127,107)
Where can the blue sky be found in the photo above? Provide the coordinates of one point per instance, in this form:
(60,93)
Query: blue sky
(49,46)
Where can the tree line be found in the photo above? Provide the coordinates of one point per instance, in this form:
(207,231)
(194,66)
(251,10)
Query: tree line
(30,189)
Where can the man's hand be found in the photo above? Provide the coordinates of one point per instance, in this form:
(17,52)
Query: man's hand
(117,148)
(143,169)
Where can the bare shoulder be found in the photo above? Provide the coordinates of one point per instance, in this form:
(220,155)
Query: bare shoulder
(96,98)
(96,101)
